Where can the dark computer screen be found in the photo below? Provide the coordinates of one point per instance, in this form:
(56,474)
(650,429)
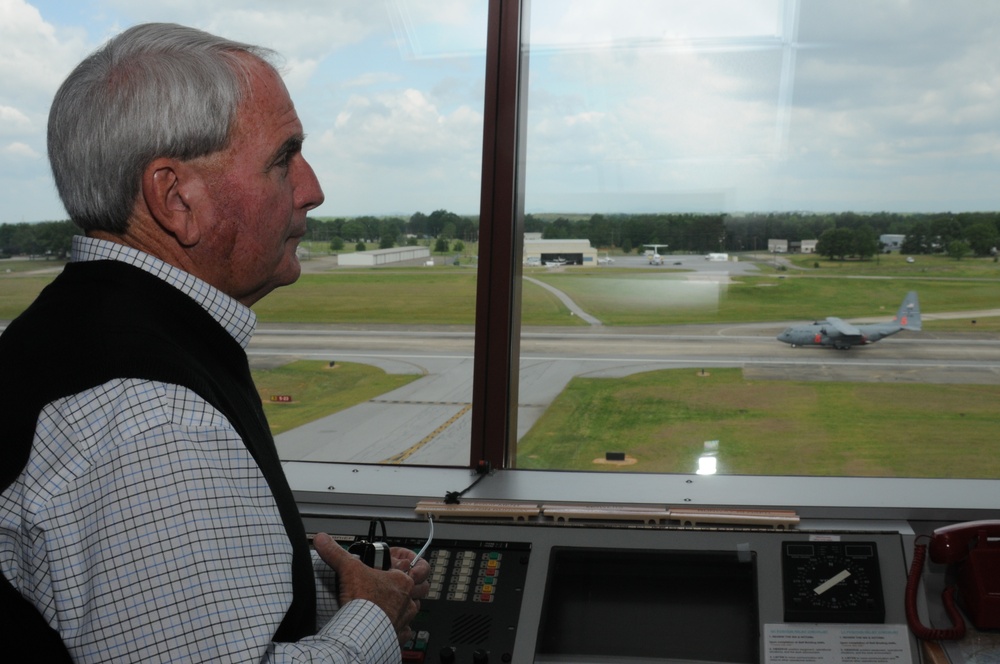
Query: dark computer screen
(653,606)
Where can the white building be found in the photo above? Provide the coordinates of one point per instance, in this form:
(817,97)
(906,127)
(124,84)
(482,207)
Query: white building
(891,242)
(384,256)
(565,252)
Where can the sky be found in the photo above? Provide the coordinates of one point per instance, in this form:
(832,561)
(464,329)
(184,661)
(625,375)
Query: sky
(633,105)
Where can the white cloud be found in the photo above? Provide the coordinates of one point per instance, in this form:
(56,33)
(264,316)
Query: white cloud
(372,79)
(400,149)
(598,23)
(302,31)
(13,121)
(34,55)
(18,149)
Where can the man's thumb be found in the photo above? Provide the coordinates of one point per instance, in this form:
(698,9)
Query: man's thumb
(332,553)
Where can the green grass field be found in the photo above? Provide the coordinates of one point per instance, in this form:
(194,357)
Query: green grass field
(414,296)
(662,419)
(17,292)
(630,297)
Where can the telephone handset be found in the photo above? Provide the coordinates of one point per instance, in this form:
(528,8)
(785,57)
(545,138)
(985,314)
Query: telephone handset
(972,551)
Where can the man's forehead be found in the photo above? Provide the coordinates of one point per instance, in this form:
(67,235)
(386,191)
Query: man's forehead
(267,106)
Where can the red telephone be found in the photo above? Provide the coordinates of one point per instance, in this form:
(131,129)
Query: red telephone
(973,551)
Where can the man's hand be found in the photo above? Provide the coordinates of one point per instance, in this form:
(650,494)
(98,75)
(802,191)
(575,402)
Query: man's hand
(402,559)
(392,590)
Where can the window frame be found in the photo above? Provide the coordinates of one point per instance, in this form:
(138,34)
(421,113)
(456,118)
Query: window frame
(501,227)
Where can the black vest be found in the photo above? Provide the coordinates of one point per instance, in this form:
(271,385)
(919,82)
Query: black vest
(102,320)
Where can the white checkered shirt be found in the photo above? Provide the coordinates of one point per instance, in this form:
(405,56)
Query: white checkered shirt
(144,531)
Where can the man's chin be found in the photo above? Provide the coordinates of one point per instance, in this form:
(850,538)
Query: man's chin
(291,272)
(287,275)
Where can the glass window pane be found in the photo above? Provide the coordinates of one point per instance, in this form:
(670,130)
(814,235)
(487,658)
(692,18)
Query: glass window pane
(368,357)
(386,306)
(701,176)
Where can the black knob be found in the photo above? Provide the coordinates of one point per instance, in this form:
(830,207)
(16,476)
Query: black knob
(447,655)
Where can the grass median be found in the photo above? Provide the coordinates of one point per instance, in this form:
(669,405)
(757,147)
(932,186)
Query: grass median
(317,389)
(662,419)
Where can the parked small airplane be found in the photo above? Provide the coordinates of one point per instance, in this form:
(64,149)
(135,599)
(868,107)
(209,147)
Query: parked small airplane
(839,334)
(653,253)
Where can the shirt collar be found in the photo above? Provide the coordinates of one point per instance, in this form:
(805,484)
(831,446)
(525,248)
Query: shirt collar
(238,320)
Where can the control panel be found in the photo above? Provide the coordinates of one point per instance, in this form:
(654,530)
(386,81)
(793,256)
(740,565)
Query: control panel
(471,612)
(547,593)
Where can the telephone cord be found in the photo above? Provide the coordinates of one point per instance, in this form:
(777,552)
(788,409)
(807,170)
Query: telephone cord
(947,597)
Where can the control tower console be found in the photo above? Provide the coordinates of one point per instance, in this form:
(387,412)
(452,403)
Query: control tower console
(624,592)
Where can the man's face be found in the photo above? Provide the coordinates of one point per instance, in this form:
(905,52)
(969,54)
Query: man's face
(260,189)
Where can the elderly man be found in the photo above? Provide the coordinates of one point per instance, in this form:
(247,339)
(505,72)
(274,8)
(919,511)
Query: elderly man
(144,515)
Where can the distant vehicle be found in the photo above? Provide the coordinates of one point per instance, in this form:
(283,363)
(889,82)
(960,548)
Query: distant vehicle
(655,259)
(605,260)
(839,334)
(909,259)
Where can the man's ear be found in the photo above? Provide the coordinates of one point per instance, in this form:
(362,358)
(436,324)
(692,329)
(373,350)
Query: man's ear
(169,190)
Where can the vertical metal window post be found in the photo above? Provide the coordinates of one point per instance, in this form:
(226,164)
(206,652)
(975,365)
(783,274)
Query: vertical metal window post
(501,224)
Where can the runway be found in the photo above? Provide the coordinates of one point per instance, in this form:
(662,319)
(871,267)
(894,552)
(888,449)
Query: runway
(428,421)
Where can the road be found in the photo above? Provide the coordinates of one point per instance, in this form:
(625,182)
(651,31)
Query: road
(428,421)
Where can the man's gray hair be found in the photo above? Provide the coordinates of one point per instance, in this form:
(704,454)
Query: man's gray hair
(156,90)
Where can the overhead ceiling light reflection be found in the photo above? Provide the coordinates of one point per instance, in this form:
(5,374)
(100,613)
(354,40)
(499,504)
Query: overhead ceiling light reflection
(707,462)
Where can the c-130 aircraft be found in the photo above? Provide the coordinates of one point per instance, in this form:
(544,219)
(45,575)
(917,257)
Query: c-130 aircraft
(839,334)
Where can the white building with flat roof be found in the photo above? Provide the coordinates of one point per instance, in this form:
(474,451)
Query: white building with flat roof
(377,257)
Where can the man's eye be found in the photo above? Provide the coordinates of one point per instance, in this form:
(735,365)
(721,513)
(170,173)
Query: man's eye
(284,158)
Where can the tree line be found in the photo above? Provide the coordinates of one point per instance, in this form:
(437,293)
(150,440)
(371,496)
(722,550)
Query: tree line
(839,235)
(43,239)
(53,239)
(387,232)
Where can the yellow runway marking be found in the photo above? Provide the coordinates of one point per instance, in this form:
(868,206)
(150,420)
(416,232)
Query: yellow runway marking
(413,449)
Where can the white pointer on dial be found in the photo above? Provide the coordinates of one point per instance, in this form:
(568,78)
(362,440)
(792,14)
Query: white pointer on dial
(834,580)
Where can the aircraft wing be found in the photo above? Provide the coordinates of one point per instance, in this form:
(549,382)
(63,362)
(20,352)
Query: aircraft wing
(843,327)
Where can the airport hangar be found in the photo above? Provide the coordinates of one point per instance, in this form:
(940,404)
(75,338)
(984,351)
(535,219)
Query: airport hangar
(571,252)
